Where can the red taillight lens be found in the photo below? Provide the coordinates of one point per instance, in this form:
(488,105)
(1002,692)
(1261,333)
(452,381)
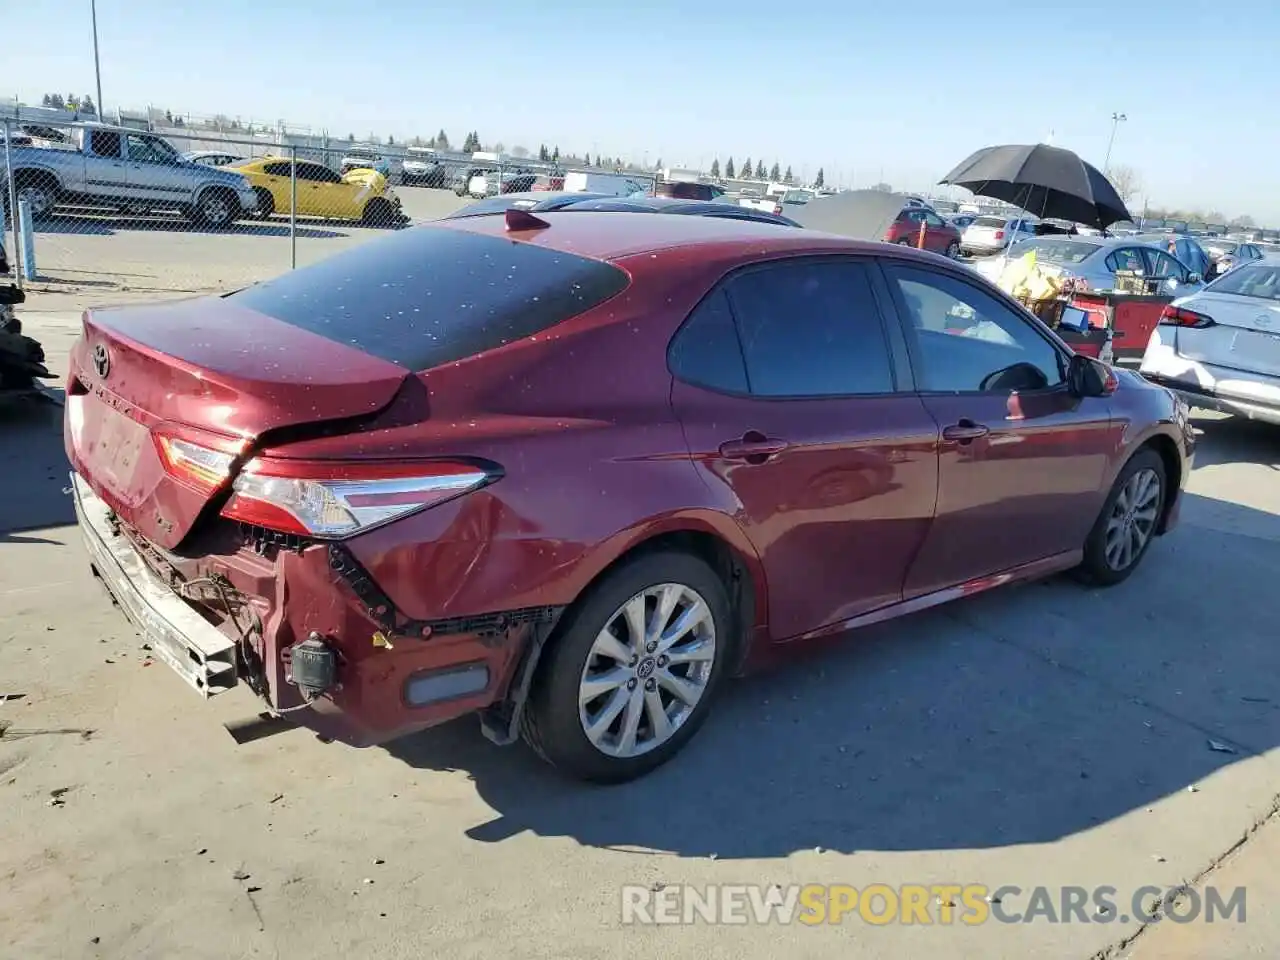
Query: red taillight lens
(1172,316)
(999,234)
(324,499)
(193,465)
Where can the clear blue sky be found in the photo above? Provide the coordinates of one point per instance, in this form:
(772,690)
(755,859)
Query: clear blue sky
(867,90)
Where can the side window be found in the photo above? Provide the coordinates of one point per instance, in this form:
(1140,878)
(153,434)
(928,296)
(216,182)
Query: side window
(317,173)
(705,350)
(144,150)
(1164,266)
(811,328)
(968,341)
(933,220)
(1127,258)
(105,143)
(280,168)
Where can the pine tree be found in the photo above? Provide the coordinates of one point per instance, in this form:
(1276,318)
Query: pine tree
(760,172)
(820,180)
(441,141)
(775,174)
(555,155)
(86,106)
(715,168)
(746,168)
(729,172)
(788,177)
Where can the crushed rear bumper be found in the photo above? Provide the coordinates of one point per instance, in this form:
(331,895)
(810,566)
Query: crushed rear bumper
(195,649)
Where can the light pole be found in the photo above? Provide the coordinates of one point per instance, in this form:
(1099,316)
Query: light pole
(1116,120)
(97,70)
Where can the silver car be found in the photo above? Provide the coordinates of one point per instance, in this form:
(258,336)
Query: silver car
(1230,253)
(987,235)
(1095,260)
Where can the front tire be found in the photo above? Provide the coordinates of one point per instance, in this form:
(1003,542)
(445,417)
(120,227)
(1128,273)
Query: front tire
(378,213)
(39,190)
(953,250)
(1127,522)
(217,208)
(632,671)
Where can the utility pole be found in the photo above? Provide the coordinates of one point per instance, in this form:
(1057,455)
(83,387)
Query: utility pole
(1116,120)
(97,70)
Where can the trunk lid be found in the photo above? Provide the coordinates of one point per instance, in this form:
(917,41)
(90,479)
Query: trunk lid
(208,372)
(1245,335)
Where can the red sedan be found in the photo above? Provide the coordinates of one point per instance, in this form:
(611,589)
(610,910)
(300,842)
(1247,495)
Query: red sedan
(939,236)
(572,471)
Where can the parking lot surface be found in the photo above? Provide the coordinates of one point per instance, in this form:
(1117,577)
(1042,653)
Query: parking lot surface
(1043,735)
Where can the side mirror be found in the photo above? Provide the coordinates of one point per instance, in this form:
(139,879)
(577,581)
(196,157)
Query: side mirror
(1088,378)
(1075,320)
(1195,278)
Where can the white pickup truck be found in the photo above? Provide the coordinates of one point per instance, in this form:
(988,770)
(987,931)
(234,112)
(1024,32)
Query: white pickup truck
(755,199)
(127,171)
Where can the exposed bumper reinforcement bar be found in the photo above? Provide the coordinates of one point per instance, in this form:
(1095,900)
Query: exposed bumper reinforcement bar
(195,649)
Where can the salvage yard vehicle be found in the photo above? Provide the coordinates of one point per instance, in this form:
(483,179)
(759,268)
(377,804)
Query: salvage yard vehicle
(573,470)
(361,194)
(126,171)
(1220,347)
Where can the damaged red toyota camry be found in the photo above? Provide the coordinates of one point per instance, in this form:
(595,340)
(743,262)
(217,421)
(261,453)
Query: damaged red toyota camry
(571,471)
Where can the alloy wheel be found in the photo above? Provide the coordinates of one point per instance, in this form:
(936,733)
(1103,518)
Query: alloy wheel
(216,209)
(647,670)
(1133,519)
(39,198)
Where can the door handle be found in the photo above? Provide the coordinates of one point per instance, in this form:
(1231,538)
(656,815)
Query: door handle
(753,448)
(966,431)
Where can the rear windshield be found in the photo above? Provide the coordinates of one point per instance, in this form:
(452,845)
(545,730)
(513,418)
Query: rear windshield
(1251,280)
(1054,250)
(432,295)
(990,222)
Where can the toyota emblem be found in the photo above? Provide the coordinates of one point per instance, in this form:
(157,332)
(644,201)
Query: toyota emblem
(101,360)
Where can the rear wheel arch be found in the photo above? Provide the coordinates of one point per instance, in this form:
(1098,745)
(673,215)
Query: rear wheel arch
(723,548)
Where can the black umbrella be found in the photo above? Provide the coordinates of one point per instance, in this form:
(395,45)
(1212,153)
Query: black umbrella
(862,214)
(1044,180)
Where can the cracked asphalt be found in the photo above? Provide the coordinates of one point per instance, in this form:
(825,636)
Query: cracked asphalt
(1044,735)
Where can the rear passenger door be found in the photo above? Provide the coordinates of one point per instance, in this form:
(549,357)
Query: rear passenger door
(797,404)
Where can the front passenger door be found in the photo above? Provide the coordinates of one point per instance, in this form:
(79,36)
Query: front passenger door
(1022,459)
(804,425)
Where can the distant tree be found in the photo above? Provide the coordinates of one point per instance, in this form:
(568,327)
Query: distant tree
(788,177)
(543,153)
(46,101)
(519,151)
(442,142)
(499,147)
(746,168)
(391,140)
(56,101)
(351,138)
(87,107)
(658,164)
(729,171)
(715,168)
(179,122)
(760,171)
(775,173)
(168,117)
(1126,181)
(555,155)
(882,187)
(417,142)
(73,102)
(1243,222)
(820,180)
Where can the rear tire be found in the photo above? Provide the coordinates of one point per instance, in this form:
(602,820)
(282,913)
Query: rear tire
(266,203)
(1127,523)
(378,213)
(633,729)
(953,250)
(905,242)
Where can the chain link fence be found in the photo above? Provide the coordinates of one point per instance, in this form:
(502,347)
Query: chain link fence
(102,210)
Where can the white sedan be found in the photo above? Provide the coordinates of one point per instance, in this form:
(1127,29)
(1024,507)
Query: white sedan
(1220,348)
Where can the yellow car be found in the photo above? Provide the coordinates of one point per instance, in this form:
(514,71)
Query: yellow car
(358,195)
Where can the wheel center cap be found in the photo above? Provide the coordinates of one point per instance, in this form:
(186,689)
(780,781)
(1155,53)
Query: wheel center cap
(645,670)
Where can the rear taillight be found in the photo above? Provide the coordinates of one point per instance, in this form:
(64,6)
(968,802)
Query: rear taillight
(777,209)
(1172,316)
(999,234)
(193,465)
(325,499)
